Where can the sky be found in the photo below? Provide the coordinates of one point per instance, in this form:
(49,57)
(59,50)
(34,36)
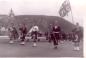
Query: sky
(44,7)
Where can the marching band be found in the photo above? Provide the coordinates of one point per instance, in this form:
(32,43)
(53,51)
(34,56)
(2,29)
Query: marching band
(55,34)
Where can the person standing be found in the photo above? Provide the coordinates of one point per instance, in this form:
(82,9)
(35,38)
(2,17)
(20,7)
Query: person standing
(56,34)
(22,33)
(34,34)
(12,33)
(76,37)
(50,36)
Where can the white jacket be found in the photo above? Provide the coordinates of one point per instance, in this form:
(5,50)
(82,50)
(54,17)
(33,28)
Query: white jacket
(34,28)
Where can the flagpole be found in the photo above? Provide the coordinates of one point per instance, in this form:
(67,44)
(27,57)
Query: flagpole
(71,13)
(72,17)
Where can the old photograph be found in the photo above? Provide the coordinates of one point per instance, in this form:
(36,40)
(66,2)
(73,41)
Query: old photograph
(41,28)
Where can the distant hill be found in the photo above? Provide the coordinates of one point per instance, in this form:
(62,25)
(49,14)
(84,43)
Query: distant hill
(4,20)
(43,21)
(40,20)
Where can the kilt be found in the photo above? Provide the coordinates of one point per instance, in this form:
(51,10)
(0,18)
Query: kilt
(34,35)
(22,37)
(55,38)
(12,36)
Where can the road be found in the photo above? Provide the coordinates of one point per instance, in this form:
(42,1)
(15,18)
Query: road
(43,49)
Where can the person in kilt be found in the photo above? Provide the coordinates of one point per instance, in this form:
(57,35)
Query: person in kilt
(34,34)
(76,37)
(12,33)
(22,33)
(56,35)
(50,34)
(76,41)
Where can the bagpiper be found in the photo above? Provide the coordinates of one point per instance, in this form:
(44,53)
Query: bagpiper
(56,34)
(12,33)
(34,33)
(22,33)
(76,37)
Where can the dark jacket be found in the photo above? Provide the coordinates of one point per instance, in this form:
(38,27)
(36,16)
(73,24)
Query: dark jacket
(23,30)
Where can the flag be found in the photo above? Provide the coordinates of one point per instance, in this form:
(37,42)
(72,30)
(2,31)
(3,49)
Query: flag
(65,8)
